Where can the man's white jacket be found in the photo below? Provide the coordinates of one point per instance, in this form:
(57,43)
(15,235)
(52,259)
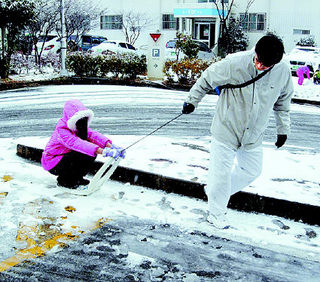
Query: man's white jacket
(242,114)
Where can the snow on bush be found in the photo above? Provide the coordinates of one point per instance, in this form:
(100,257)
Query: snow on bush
(24,64)
(124,65)
(185,71)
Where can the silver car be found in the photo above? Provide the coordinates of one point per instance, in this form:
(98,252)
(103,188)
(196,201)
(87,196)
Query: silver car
(205,53)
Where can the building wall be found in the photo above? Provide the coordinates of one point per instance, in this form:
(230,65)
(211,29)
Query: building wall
(282,17)
(152,8)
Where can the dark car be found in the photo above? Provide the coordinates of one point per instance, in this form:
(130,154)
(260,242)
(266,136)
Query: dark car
(85,42)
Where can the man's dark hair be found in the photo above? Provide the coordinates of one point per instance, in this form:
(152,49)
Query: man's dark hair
(269,50)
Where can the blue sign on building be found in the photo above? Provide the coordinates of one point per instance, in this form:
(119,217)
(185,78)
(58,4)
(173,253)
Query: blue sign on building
(195,12)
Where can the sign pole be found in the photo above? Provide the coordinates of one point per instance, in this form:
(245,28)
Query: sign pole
(63,53)
(156,56)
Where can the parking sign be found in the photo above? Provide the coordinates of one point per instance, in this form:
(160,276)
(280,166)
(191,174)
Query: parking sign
(156,53)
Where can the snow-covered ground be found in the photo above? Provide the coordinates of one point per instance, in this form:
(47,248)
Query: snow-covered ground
(308,90)
(29,188)
(293,176)
(29,199)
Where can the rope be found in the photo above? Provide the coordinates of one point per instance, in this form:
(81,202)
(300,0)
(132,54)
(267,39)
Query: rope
(154,131)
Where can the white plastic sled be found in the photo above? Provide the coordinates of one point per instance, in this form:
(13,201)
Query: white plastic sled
(101,176)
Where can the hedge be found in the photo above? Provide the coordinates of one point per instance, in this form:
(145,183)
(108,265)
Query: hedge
(124,65)
(185,71)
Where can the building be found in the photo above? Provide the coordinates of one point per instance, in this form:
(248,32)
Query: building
(289,19)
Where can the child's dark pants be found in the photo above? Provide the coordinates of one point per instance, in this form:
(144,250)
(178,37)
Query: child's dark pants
(72,168)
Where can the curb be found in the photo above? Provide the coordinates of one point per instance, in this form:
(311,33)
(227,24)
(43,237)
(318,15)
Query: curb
(241,201)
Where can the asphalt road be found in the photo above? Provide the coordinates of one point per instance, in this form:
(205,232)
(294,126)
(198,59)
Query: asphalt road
(137,250)
(132,111)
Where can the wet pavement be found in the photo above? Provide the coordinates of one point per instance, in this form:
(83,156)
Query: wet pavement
(130,249)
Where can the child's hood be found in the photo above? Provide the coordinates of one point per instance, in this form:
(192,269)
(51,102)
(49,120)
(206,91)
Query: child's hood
(73,111)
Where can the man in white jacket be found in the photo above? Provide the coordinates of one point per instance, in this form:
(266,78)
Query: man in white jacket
(241,116)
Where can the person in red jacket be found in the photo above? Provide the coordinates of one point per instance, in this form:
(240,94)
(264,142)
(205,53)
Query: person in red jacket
(74,146)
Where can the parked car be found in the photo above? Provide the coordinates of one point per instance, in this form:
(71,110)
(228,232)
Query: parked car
(85,42)
(50,43)
(205,53)
(112,47)
(304,56)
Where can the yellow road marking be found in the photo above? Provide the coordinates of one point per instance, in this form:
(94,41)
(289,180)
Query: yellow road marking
(34,250)
(6,178)
(41,238)
(70,209)
(2,196)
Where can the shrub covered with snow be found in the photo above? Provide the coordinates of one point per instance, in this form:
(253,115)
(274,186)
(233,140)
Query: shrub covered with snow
(184,71)
(117,65)
(83,64)
(23,64)
(133,65)
(307,41)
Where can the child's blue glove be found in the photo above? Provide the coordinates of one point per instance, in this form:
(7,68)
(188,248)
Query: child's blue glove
(111,152)
(120,149)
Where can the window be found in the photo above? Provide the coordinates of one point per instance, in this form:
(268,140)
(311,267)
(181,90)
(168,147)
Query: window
(301,31)
(170,22)
(131,47)
(111,22)
(86,40)
(96,41)
(111,42)
(253,21)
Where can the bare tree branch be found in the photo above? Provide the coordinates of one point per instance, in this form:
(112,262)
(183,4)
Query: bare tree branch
(45,17)
(80,17)
(132,25)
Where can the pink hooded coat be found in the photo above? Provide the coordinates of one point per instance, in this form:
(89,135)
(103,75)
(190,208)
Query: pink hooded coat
(64,138)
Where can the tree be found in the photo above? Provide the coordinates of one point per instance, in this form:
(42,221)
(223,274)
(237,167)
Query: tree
(187,45)
(133,24)
(238,40)
(14,16)
(46,14)
(80,17)
(224,9)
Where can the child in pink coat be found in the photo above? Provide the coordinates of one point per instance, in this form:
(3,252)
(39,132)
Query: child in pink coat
(74,146)
(301,71)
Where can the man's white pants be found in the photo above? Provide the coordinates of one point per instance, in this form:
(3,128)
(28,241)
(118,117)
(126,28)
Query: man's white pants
(230,171)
